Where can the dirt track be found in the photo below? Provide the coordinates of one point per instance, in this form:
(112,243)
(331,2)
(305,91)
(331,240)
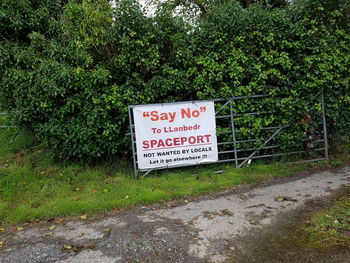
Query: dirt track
(227,227)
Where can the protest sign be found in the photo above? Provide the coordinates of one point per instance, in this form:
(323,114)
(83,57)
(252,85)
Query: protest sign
(175,134)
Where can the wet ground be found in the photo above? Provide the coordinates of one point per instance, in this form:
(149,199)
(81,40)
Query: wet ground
(251,224)
(285,240)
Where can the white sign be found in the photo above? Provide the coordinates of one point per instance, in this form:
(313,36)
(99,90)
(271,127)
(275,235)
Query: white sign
(175,134)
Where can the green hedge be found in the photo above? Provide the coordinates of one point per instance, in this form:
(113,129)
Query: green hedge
(69,72)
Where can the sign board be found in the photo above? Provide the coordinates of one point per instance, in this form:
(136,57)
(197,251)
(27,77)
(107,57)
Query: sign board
(175,134)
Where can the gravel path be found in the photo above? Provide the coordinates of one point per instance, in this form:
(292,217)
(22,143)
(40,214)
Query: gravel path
(199,231)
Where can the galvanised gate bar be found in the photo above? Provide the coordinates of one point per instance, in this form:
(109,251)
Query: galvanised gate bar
(240,140)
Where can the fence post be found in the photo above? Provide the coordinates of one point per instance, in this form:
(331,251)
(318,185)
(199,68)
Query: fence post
(324,126)
(130,108)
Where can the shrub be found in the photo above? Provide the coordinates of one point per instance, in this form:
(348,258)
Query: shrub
(70,71)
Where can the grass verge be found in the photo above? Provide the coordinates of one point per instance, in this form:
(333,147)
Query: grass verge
(329,228)
(33,186)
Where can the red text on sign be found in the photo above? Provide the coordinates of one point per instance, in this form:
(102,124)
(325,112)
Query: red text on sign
(176,142)
(170,116)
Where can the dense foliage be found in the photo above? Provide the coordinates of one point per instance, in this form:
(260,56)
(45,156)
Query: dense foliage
(69,69)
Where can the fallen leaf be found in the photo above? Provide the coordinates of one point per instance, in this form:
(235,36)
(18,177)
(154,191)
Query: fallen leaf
(285,198)
(2,229)
(2,243)
(105,190)
(172,204)
(77,248)
(66,248)
(126,197)
(107,232)
(226,212)
(81,235)
(91,246)
(52,227)
(20,228)
(186,201)
(83,216)
(58,221)
(117,210)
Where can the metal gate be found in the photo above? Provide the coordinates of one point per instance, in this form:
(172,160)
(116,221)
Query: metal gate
(243,147)
(240,143)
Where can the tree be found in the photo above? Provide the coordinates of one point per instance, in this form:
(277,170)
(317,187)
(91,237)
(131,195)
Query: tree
(194,9)
(21,17)
(267,3)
